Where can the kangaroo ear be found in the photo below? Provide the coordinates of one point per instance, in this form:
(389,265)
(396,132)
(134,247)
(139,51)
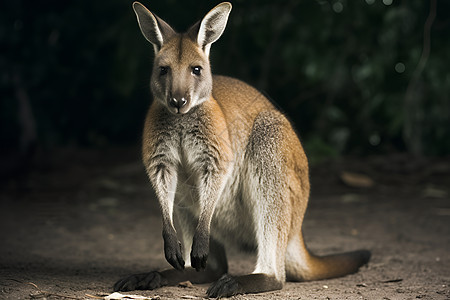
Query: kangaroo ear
(154,29)
(213,25)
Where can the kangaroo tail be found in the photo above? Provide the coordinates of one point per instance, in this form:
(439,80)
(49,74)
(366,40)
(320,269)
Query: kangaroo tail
(336,265)
(302,265)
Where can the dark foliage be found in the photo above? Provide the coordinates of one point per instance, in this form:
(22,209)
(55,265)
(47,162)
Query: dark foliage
(352,75)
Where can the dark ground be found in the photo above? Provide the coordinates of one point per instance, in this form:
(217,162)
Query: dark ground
(83,219)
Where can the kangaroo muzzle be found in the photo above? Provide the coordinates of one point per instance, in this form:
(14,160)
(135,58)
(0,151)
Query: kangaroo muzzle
(179,104)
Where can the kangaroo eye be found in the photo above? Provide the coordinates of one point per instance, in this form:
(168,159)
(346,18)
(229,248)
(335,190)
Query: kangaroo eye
(197,70)
(163,71)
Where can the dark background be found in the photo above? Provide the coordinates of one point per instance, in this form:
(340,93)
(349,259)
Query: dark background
(356,77)
(366,82)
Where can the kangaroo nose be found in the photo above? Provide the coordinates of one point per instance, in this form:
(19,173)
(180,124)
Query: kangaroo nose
(177,103)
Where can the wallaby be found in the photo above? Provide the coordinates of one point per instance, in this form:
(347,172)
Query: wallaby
(227,166)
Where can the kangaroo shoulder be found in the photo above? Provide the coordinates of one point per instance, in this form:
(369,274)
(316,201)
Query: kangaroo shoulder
(227,87)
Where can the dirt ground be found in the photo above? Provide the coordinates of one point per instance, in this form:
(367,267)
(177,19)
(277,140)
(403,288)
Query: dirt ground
(82,219)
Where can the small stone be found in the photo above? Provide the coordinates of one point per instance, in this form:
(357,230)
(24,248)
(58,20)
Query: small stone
(361,285)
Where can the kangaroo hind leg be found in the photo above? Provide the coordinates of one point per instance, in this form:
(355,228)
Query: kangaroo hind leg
(265,191)
(216,267)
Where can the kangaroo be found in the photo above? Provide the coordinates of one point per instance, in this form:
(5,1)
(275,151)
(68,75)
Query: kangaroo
(227,168)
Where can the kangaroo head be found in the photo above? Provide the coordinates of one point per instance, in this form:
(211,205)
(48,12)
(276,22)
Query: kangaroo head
(181,76)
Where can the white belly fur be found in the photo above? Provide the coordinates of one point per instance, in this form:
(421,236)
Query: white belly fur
(232,224)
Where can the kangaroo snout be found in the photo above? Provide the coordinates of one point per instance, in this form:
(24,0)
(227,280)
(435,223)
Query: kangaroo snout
(177,103)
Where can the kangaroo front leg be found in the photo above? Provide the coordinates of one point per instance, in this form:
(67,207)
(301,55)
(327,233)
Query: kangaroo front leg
(164,180)
(209,159)
(210,187)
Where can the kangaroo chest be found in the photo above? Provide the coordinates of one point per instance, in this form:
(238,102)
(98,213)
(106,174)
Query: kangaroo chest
(192,148)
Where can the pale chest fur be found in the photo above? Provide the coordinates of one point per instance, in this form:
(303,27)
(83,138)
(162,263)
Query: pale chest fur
(186,145)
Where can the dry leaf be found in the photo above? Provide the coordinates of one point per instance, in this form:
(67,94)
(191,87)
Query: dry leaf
(357,180)
(119,296)
(186,284)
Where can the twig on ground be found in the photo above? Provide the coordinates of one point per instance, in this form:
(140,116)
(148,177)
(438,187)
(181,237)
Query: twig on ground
(44,294)
(96,297)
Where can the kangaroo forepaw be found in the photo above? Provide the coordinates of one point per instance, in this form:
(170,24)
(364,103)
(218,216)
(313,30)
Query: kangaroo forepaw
(199,252)
(226,286)
(198,261)
(145,281)
(172,251)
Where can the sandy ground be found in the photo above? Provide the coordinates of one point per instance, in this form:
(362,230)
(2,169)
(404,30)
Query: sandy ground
(83,219)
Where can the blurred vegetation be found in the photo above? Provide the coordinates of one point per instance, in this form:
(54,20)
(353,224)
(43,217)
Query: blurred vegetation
(346,72)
